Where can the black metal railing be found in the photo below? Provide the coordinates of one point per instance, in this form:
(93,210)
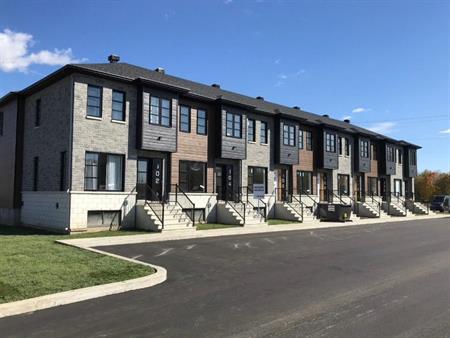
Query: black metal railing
(185,203)
(412,198)
(309,197)
(395,197)
(372,202)
(236,197)
(155,201)
(247,192)
(284,195)
(294,201)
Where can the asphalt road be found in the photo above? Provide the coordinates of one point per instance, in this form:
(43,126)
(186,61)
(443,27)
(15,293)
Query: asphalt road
(384,280)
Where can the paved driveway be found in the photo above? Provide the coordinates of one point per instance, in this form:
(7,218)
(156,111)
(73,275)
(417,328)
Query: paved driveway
(384,280)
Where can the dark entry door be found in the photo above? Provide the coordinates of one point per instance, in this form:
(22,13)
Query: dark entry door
(323,187)
(150,179)
(383,188)
(282,185)
(224,182)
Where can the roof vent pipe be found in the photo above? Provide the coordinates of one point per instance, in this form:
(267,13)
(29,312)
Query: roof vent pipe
(347,120)
(296,107)
(325,115)
(260,98)
(160,70)
(113,58)
(215,85)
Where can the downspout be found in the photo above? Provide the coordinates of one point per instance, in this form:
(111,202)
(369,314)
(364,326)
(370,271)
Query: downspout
(69,190)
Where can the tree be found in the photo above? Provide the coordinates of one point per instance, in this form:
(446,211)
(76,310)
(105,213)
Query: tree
(430,183)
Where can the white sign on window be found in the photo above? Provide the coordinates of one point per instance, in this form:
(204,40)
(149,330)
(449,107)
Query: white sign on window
(259,191)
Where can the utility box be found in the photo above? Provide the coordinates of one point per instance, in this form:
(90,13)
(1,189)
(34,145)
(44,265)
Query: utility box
(334,212)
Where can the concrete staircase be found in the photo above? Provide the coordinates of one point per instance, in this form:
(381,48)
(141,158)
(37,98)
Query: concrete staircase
(292,212)
(233,213)
(174,217)
(370,210)
(394,209)
(416,208)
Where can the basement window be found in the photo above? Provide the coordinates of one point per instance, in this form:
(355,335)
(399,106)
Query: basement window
(104,218)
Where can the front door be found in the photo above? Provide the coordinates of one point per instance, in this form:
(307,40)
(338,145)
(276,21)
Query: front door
(323,187)
(150,178)
(224,182)
(383,188)
(357,187)
(282,184)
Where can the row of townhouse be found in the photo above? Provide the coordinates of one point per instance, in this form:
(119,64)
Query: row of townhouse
(96,145)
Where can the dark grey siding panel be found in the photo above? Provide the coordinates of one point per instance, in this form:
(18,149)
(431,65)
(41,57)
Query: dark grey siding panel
(390,165)
(362,164)
(286,154)
(410,170)
(155,137)
(231,147)
(330,160)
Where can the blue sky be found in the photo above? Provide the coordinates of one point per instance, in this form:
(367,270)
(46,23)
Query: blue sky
(384,63)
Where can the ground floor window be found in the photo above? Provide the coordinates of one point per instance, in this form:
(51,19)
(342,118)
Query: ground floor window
(257,175)
(344,184)
(398,187)
(192,176)
(373,185)
(305,182)
(104,218)
(103,172)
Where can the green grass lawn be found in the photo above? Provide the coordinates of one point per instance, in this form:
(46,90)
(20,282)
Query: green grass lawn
(32,264)
(275,221)
(209,226)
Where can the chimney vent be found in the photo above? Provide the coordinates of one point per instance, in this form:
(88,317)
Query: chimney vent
(347,120)
(296,107)
(325,115)
(113,58)
(215,85)
(260,98)
(160,70)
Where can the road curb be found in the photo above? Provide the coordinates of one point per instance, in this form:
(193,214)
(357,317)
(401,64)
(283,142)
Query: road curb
(91,292)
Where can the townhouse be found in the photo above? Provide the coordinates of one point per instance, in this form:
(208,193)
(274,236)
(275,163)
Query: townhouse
(113,144)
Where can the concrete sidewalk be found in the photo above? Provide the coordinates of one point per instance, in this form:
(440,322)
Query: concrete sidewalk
(174,235)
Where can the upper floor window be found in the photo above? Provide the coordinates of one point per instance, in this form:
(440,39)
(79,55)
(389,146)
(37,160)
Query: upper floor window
(340,144)
(289,135)
(263,136)
(300,139)
(185,119)
(103,172)
(201,122)
(118,106)
(37,116)
(160,111)
(1,123)
(309,142)
(390,155)
(234,125)
(413,157)
(347,146)
(94,101)
(330,143)
(374,151)
(399,156)
(251,130)
(364,149)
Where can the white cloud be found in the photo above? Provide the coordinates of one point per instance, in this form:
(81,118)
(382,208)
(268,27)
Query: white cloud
(282,76)
(346,117)
(227,2)
(382,127)
(277,61)
(15,54)
(359,110)
(446,131)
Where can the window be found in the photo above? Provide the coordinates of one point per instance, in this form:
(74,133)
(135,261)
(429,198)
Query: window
(104,218)
(344,185)
(398,187)
(412,159)
(373,186)
(160,111)
(185,119)
(257,175)
(340,145)
(103,172)
(305,182)
(35,173)
(1,123)
(118,105)
(62,171)
(251,130)
(263,136)
(390,155)
(192,176)
(94,101)
(234,125)
(330,143)
(347,146)
(37,116)
(309,141)
(399,156)
(300,139)
(374,151)
(364,149)
(289,135)
(201,122)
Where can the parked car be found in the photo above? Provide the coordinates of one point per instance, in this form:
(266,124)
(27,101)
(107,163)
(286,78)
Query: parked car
(440,203)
